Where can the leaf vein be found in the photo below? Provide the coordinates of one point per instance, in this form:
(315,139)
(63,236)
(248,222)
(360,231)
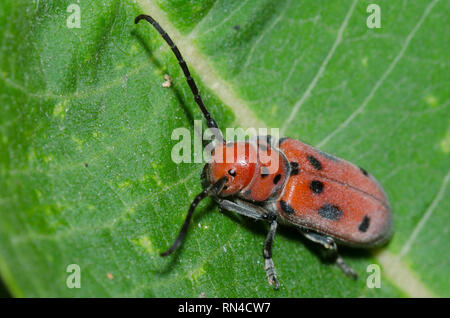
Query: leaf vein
(321,70)
(382,78)
(425,217)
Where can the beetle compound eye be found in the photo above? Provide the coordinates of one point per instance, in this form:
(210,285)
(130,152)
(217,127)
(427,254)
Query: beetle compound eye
(232,173)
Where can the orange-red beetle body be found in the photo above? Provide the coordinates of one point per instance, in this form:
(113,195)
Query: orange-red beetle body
(286,181)
(309,188)
(334,197)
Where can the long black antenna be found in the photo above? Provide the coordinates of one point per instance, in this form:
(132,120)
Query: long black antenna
(212,189)
(198,99)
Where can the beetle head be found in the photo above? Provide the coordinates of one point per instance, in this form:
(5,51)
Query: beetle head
(236,162)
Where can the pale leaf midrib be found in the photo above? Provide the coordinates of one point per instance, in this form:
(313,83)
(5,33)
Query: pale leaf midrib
(402,276)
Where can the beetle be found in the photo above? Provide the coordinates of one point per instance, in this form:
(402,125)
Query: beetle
(329,200)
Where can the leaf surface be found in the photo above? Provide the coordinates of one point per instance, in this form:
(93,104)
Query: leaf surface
(85,148)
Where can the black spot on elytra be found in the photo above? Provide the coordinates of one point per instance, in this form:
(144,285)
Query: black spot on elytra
(364,171)
(232,173)
(277,179)
(330,212)
(286,207)
(280,141)
(364,224)
(264,172)
(315,163)
(328,156)
(316,186)
(294,168)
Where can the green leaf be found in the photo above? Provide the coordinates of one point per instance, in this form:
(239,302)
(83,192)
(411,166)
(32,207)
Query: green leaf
(85,145)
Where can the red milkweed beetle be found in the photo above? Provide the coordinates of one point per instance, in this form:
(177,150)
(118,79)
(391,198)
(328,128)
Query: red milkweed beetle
(328,199)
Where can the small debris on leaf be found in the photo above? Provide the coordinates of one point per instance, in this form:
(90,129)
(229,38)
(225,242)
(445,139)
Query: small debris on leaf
(168,81)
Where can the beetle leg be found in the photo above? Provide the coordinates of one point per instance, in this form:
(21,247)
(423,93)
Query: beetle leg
(257,213)
(249,211)
(347,269)
(267,253)
(331,246)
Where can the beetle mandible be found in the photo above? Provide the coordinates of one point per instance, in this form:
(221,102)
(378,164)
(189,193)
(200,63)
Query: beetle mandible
(328,199)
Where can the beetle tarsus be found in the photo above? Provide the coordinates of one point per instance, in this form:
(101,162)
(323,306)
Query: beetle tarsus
(267,253)
(271,274)
(347,269)
(330,245)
